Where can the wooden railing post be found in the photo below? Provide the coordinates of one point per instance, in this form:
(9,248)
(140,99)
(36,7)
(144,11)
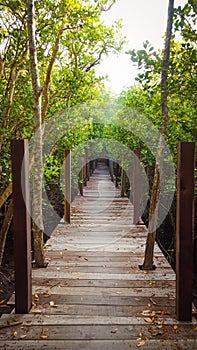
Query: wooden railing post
(87,166)
(67,184)
(81,179)
(136,187)
(184,230)
(117,174)
(84,170)
(111,169)
(123,182)
(21,226)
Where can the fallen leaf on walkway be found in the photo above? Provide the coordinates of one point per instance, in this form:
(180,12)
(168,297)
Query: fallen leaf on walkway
(114,330)
(141,343)
(23,336)
(36,311)
(43,336)
(36,297)
(52,304)
(148,320)
(153,302)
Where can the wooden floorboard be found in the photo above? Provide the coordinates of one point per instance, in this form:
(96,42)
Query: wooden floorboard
(92,294)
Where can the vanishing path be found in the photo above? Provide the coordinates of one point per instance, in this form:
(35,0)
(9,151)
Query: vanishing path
(92,294)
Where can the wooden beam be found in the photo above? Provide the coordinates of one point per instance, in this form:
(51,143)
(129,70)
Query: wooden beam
(67,184)
(81,178)
(22,226)
(123,182)
(136,187)
(184,230)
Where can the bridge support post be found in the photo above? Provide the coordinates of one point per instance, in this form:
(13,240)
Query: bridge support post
(21,226)
(81,175)
(184,230)
(67,184)
(136,188)
(123,182)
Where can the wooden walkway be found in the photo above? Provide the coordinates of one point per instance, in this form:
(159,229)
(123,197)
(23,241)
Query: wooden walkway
(92,295)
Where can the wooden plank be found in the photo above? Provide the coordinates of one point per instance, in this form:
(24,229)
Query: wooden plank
(97,291)
(54,273)
(21,225)
(107,300)
(99,332)
(185,230)
(102,310)
(189,344)
(60,320)
(103,283)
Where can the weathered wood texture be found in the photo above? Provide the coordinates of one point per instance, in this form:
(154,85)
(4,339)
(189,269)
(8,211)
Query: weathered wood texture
(185,229)
(67,185)
(21,225)
(92,295)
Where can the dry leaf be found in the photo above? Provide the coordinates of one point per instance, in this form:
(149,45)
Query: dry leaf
(141,343)
(36,311)
(43,336)
(195,329)
(114,330)
(146,312)
(23,336)
(153,302)
(86,259)
(175,327)
(15,334)
(36,297)
(52,304)
(148,320)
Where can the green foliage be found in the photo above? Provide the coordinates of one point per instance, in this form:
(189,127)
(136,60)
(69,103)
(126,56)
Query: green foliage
(75,29)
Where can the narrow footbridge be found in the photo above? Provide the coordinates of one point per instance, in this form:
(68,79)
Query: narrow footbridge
(92,294)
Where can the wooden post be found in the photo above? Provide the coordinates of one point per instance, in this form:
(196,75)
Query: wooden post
(111,169)
(21,226)
(67,184)
(184,230)
(136,187)
(87,166)
(81,179)
(117,174)
(123,182)
(84,171)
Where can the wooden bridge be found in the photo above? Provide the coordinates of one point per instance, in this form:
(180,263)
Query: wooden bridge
(92,295)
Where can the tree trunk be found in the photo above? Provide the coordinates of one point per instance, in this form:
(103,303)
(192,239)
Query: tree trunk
(48,75)
(154,201)
(5,195)
(38,166)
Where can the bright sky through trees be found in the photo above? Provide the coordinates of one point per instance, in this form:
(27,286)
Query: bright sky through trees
(142,20)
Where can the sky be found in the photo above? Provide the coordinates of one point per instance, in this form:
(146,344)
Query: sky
(142,20)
